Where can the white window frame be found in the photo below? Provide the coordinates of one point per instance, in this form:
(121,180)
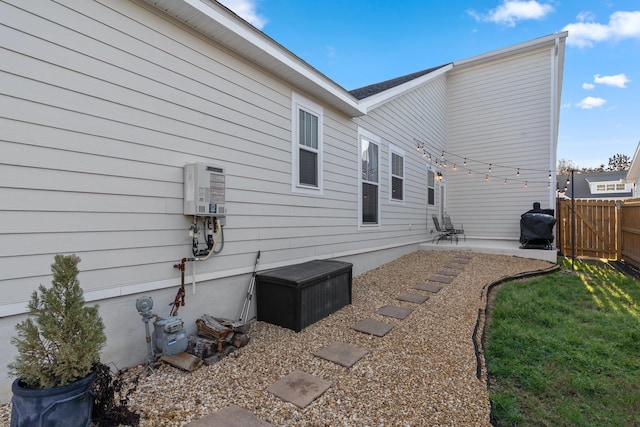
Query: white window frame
(299,102)
(401,153)
(364,135)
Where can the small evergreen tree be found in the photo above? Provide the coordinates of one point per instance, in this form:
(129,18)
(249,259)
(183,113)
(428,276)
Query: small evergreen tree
(61,340)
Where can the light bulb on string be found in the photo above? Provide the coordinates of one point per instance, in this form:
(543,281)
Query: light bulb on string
(454,167)
(549,174)
(465,161)
(526,184)
(486,178)
(518,173)
(489,167)
(505,182)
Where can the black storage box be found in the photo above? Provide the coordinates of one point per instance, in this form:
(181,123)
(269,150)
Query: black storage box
(298,295)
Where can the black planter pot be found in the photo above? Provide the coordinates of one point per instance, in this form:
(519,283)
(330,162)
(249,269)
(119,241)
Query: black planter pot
(69,405)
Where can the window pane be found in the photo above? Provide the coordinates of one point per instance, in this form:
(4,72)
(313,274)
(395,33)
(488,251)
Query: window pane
(396,165)
(369,203)
(308,167)
(431,179)
(396,188)
(369,161)
(431,196)
(308,130)
(620,187)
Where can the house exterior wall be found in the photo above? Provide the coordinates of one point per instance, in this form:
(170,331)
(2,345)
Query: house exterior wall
(499,113)
(102,104)
(418,117)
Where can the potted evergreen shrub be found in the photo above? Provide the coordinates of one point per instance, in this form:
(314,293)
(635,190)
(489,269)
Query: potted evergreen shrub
(58,349)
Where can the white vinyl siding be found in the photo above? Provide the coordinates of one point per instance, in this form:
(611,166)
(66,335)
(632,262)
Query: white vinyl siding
(307,131)
(499,113)
(417,116)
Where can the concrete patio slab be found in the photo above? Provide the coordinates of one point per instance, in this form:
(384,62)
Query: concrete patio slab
(493,246)
(372,327)
(299,388)
(342,353)
(428,287)
(440,279)
(230,416)
(461,260)
(411,297)
(394,311)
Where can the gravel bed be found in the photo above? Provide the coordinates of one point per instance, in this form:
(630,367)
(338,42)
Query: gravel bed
(422,373)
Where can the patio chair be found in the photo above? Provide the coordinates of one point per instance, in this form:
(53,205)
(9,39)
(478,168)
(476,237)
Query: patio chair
(448,225)
(442,233)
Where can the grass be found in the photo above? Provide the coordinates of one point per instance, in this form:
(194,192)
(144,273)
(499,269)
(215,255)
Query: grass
(564,349)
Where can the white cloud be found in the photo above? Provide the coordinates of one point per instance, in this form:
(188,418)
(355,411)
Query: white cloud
(511,11)
(246,9)
(622,25)
(590,102)
(588,86)
(619,80)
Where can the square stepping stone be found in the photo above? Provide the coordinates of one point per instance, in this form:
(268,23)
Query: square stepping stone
(411,297)
(394,311)
(440,279)
(299,388)
(462,260)
(372,327)
(230,416)
(428,287)
(447,273)
(342,353)
(454,266)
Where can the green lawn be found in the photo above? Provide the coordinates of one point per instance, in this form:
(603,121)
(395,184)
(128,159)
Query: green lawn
(564,349)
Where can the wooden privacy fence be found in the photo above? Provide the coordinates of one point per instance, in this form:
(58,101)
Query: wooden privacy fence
(597,228)
(630,229)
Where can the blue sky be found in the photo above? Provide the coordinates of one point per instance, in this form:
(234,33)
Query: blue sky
(359,42)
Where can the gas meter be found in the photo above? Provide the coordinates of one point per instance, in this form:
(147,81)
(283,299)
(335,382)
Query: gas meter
(204,190)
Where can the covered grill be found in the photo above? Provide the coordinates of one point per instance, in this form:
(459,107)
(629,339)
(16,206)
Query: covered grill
(536,228)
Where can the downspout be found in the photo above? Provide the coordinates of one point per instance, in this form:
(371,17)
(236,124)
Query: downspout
(553,136)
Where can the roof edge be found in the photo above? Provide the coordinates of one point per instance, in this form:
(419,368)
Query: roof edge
(223,26)
(374,101)
(537,43)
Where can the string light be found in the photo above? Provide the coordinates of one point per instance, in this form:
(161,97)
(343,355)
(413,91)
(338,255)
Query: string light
(445,156)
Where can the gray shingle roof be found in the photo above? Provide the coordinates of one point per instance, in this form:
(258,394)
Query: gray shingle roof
(367,91)
(582,180)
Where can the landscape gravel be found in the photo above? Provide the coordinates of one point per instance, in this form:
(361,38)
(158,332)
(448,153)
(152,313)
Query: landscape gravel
(422,373)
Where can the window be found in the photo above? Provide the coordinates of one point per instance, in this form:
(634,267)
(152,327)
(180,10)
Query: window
(620,187)
(306,148)
(599,187)
(431,188)
(611,187)
(397,174)
(369,178)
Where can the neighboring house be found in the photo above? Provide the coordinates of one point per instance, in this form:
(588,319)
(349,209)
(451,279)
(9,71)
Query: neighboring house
(633,174)
(105,101)
(608,185)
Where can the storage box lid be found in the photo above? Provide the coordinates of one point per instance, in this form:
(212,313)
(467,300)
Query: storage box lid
(300,275)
